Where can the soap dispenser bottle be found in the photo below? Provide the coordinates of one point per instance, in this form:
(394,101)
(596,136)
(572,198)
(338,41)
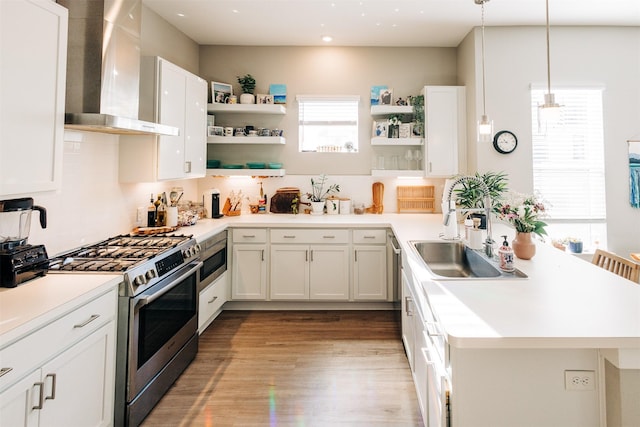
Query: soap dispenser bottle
(506,256)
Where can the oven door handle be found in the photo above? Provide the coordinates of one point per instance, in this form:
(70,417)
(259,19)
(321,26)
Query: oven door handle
(148,299)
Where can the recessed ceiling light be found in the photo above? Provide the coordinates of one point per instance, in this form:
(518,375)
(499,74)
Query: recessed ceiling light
(362,14)
(235,11)
(327,39)
(396,10)
(181,15)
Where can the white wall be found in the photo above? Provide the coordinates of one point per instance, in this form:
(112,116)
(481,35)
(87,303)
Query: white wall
(321,70)
(516,58)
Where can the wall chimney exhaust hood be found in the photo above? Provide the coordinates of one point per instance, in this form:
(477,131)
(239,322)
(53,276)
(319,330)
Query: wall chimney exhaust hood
(103,68)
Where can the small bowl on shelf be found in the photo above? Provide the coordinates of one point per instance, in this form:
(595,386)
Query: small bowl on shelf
(256,165)
(275,165)
(213,164)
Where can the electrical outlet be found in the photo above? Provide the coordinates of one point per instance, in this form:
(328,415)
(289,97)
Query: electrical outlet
(579,380)
(140,215)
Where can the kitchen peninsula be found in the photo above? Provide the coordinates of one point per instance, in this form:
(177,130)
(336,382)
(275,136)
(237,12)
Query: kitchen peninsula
(506,346)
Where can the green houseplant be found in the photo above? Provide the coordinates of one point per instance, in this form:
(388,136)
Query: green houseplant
(319,193)
(248,84)
(469,193)
(417,104)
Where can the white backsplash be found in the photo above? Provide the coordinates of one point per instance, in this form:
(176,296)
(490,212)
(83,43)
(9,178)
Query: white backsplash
(92,205)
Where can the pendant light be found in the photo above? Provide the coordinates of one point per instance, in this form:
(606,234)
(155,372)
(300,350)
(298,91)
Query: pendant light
(549,112)
(485,126)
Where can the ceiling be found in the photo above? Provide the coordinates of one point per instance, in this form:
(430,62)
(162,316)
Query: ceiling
(436,23)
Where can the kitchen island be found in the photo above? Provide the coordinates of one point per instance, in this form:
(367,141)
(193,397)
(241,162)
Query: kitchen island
(501,349)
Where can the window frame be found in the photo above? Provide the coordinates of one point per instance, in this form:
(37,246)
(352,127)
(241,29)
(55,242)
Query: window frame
(330,123)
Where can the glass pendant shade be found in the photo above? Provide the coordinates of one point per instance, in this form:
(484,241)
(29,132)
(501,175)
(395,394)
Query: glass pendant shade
(485,129)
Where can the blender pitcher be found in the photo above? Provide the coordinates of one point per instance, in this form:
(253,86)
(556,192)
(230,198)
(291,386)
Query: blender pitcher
(15,221)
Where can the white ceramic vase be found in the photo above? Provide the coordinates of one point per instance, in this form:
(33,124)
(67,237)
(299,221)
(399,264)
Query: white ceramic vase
(247,98)
(317,208)
(333,206)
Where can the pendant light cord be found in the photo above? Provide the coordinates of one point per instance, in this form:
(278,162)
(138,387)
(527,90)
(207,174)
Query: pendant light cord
(484,95)
(548,53)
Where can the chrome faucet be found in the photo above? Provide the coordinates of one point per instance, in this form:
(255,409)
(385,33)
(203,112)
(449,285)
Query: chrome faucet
(488,243)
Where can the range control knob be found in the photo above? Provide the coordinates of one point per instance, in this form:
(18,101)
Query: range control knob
(140,280)
(151,274)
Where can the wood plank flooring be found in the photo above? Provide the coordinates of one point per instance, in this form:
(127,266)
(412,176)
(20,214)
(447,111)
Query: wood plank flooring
(295,368)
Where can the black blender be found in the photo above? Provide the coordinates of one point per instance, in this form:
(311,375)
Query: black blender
(20,261)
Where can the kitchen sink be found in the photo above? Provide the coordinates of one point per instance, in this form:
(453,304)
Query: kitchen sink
(455,261)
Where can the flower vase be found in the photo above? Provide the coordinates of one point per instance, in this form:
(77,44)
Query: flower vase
(247,98)
(317,208)
(523,246)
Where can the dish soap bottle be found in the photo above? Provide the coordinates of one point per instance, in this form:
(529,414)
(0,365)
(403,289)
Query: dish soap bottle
(506,256)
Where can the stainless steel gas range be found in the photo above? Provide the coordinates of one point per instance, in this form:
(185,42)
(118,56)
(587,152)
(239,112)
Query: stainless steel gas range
(157,312)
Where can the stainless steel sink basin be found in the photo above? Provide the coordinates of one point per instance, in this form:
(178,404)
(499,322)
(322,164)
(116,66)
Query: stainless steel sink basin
(455,261)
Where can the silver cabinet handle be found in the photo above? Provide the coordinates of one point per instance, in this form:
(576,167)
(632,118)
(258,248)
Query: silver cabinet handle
(212,300)
(187,167)
(288,236)
(432,329)
(5,371)
(86,322)
(407,304)
(249,236)
(369,237)
(328,237)
(52,396)
(355,256)
(262,254)
(306,255)
(41,398)
(311,255)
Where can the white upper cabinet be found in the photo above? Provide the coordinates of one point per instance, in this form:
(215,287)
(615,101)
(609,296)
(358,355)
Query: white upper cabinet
(33,54)
(171,96)
(445,129)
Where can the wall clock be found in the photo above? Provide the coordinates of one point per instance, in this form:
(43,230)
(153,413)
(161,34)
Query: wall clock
(505,142)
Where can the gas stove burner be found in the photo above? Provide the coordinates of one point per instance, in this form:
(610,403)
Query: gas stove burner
(143,260)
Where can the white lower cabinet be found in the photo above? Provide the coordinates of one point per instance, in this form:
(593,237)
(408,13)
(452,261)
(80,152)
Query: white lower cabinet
(74,380)
(370,272)
(249,272)
(211,300)
(317,272)
(407,313)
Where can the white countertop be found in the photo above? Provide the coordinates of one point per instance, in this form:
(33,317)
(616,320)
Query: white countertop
(565,302)
(42,300)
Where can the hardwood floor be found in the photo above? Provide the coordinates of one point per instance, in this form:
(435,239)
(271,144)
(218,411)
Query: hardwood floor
(295,368)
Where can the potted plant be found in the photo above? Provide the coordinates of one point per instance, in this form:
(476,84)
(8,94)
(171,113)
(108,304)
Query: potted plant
(470,195)
(417,104)
(248,84)
(318,193)
(523,212)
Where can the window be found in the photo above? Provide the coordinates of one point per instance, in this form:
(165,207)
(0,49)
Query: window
(328,123)
(568,165)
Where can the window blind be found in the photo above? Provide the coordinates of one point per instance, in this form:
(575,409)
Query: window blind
(568,156)
(328,123)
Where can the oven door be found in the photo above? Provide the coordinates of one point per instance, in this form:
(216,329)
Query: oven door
(163,319)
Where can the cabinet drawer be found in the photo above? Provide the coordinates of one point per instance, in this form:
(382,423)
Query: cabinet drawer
(370,236)
(288,235)
(55,337)
(211,299)
(249,235)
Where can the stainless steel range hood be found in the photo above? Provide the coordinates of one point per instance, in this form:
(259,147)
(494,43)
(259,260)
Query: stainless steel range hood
(103,68)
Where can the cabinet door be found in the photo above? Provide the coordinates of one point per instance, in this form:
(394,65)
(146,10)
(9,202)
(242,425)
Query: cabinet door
(18,401)
(171,111)
(195,134)
(445,128)
(79,384)
(33,54)
(329,272)
(370,272)
(289,272)
(249,272)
